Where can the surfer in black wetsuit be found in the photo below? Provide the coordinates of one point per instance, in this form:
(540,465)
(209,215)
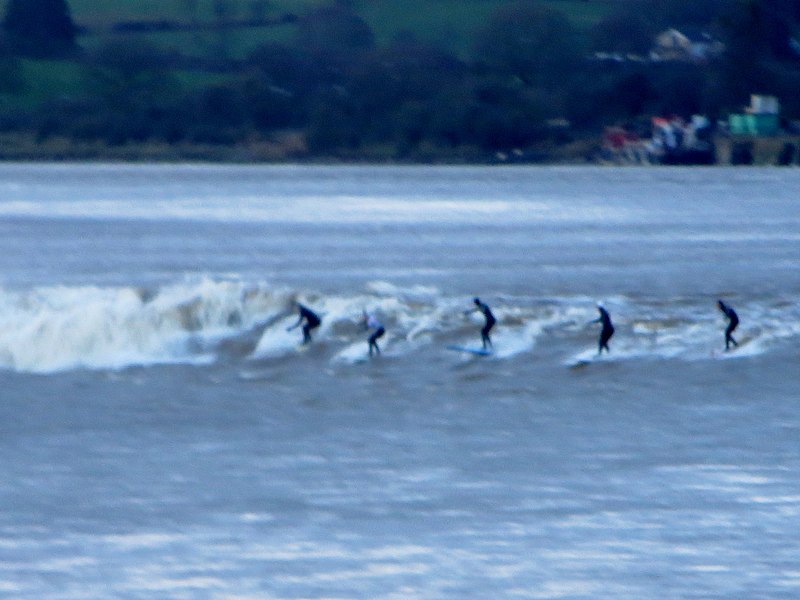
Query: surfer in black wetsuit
(490,320)
(606,332)
(311,319)
(733,323)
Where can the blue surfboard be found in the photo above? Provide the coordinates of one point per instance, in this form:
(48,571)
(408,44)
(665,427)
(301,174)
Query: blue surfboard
(476,351)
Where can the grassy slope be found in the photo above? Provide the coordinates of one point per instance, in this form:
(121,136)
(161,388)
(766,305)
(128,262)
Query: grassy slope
(44,80)
(450,23)
(106,12)
(383,15)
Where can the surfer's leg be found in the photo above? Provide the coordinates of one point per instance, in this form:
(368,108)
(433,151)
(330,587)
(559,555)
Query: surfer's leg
(729,338)
(603,343)
(485,335)
(306,334)
(373,341)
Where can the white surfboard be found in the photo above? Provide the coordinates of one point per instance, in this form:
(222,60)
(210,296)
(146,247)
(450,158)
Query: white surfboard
(586,358)
(476,351)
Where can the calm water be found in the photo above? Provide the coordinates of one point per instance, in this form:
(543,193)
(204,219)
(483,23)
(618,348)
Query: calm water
(164,436)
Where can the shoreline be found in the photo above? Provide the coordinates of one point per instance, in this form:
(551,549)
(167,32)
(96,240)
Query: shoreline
(584,152)
(16,147)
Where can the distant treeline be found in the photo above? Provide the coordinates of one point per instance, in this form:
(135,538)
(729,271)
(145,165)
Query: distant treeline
(530,84)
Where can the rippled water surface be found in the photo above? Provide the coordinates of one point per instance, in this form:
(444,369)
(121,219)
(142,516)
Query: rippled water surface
(165,436)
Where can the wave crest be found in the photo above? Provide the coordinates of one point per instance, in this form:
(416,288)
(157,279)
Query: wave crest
(51,329)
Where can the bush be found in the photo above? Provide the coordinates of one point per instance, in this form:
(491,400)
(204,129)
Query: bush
(536,45)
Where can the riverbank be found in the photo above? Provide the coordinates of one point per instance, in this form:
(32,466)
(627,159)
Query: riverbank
(291,148)
(287,147)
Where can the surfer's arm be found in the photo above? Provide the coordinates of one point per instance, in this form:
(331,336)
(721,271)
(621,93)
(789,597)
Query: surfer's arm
(300,320)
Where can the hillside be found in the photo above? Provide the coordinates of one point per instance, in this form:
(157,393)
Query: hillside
(446,23)
(417,80)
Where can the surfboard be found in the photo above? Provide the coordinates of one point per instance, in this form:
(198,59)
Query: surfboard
(577,363)
(742,350)
(356,352)
(585,359)
(476,351)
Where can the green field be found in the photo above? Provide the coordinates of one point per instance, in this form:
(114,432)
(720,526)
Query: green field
(388,15)
(451,25)
(99,13)
(231,43)
(44,80)
(447,23)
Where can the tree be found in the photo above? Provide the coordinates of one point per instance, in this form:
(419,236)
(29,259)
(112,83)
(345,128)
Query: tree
(335,28)
(131,84)
(536,45)
(624,32)
(11,77)
(759,57)
(40,28)
(259,9)
(293,69)
(682,13)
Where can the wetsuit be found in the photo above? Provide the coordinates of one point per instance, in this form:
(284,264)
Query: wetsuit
(311,319)
(490,321)
(606,332)
(733,323)
(373,323)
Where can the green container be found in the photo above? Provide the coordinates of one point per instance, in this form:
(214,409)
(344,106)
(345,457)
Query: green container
(754,124)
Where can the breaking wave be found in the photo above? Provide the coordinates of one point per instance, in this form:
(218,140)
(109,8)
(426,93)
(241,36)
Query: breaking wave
(52,329)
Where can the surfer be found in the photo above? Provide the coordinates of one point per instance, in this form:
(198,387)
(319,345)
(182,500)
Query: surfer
(490,320)
(607,330)
(311,319)
(370,322)
(733,323)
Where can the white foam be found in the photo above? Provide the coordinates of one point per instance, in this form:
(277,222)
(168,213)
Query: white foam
(353,353)
(511,341)
(745,349)
(334,209)
(58,328)
(277,341)
(358,352)
(52,329)
(693,331)
(336,313)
